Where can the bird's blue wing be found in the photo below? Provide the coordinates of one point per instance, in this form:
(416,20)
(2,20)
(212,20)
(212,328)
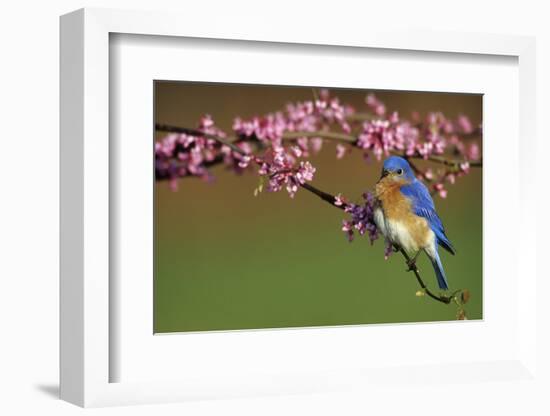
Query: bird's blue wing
(423,206)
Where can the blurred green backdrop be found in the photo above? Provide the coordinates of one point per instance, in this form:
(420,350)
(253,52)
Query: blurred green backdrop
(225,259)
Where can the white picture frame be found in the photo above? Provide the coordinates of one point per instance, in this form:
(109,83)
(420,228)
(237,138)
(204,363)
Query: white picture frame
(87,331)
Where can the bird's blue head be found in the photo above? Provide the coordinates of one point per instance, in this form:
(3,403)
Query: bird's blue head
(397,168)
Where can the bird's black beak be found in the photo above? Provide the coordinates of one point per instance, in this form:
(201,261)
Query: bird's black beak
(385,173)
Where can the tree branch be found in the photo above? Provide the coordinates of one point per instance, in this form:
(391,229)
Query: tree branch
(195,132)
(443,299)
(453,163)
(331,199)
(329,135)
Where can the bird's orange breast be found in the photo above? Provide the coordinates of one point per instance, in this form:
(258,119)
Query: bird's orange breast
(393,202)
(398,209)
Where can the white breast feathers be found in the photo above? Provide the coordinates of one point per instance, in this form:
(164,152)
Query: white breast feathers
(398,233)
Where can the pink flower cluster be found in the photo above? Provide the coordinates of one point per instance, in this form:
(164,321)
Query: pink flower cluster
(384,136)
(470,151)
(281,164)
(190,154)
(448,175)
(451,133)
(180,154)
(375,105)
(307,117)
(362,217)
(267,129)
(280,169)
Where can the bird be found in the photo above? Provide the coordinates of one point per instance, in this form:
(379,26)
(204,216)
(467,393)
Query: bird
(405,214)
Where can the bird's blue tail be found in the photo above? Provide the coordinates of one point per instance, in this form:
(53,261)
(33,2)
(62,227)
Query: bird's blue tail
(439,272)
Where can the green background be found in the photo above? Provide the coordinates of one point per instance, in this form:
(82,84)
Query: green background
(225,259)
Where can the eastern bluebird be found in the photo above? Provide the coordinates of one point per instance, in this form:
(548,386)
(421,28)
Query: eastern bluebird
(405,214)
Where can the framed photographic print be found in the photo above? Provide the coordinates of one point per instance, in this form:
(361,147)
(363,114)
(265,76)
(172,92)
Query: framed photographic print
(289,267)
(233,232)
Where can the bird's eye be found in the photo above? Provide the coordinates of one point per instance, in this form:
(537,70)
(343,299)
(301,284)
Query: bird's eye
(399,171)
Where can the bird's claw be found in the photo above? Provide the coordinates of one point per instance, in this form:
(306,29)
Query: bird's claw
(411,264)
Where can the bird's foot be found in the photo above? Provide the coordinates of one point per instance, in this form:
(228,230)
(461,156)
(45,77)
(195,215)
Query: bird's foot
(411,264)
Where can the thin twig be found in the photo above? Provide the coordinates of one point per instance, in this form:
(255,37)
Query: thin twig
(331,199)
(453,163)
(330,135)
(415,168)
(195,132)
(360,117)
(315,95)
(443,299)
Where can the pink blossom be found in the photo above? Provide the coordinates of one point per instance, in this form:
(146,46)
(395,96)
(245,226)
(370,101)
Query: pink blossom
(237,161)
(297,151)
(429,174)
(316,144)
(340,151)
(307,116)
(435,120)
(458,144)
(377,137)
(362,218)
(464,124)
(473,152)
(440,189)
(307,143)
(464,167)
(279,167)
(181,154)
(173,184)
(339,200)
(407,138)
(347,227)
(305,172)
(375,105)
(207,126)
(447,127)
(384,136)
(245,127)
